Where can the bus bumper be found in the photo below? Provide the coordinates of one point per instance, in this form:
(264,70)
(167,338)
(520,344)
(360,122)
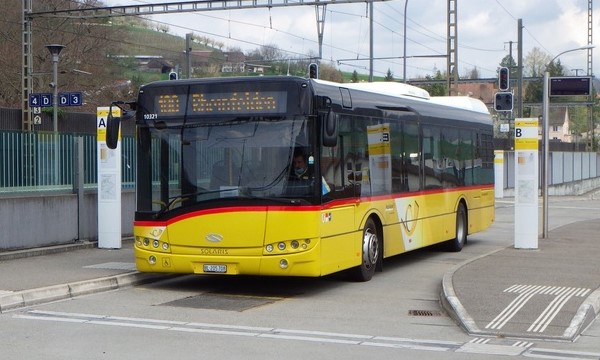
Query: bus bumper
(294,264)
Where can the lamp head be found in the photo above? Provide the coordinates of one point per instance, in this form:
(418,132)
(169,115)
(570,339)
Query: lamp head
(55,49)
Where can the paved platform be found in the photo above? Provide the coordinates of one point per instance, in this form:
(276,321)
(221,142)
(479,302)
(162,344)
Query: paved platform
(549,293)
(46,274)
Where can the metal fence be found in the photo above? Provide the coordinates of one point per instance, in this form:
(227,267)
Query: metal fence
(563,167)
(31,162)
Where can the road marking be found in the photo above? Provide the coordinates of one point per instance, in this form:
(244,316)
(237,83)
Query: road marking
(475,346)
(526,292)
(113,266)
(546,317)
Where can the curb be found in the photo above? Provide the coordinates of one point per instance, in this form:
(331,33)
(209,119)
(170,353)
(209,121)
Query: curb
(54,249)
(47,294)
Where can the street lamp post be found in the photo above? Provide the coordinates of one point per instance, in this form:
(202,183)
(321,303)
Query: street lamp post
(545,137)
(55,49)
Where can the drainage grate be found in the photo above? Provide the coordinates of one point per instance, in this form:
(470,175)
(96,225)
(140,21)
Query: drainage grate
(424,313)
(221,302)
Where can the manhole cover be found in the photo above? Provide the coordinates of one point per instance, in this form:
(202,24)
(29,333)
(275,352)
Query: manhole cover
(222,302)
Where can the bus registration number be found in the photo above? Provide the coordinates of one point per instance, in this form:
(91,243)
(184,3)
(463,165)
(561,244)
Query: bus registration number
(210,268)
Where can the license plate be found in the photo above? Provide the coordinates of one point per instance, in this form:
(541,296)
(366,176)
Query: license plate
(209,268)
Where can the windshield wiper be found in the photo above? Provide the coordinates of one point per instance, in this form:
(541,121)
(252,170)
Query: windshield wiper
(182,197)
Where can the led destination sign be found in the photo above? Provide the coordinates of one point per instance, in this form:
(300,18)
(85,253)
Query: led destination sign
(223,103)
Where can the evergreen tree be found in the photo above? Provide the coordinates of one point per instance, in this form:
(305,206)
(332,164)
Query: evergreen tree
(389,76)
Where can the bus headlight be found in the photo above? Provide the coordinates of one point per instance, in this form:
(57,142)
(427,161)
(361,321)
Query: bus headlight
(281,246)
(270,248)
(294,244)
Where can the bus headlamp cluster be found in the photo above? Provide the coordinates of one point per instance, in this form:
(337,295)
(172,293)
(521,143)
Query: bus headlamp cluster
(286,247)
(152,244)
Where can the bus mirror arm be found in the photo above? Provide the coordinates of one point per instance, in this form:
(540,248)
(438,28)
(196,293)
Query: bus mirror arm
(113,123)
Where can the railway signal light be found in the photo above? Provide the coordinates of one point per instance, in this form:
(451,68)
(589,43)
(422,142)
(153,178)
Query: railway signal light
(313,71)
(503,79)
(503,101)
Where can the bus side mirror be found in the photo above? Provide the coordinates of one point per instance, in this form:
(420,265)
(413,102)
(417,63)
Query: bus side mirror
(329,129)
(113,125)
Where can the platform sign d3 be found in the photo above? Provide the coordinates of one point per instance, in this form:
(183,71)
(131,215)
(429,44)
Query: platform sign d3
(109,185)
(526,183)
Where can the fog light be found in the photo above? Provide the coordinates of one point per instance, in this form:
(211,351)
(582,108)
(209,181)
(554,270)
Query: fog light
(281,246)
(155,243)
(269,248)
(165,246)
(146,241)
(152,259)
(294,244)
(283,263)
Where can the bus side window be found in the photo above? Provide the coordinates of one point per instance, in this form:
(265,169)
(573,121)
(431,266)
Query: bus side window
(411,156)
(337,162)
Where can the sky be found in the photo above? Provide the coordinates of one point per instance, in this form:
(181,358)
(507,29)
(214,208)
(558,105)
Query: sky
(484,32)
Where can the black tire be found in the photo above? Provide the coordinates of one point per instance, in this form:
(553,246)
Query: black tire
(459,241)
(370,253)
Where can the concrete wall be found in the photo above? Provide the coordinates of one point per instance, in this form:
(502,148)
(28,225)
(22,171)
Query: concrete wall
(35,221)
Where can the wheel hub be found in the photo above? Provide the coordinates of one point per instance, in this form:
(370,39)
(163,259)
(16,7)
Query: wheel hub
(370,249)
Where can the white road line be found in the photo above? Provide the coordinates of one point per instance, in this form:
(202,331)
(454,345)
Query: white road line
(511,310)
(546,317)
(475,346)
(526,292)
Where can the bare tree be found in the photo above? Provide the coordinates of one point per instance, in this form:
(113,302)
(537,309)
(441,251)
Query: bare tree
(83,64)
(535,62)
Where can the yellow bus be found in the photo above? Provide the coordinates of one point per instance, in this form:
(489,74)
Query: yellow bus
(289,176)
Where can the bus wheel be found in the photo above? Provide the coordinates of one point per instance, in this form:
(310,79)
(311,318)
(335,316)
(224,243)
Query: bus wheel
(371,248)
(460,240)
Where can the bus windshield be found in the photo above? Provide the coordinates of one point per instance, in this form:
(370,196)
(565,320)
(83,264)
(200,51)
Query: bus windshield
(211,159)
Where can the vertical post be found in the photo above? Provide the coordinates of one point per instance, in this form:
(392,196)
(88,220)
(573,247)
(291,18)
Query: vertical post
(55,50)
(109,185)
(188,54)
(370,41)
(499,174)
(404,58)
(55,94)
(78,185)
(520,69)
(545,153)
(526,183)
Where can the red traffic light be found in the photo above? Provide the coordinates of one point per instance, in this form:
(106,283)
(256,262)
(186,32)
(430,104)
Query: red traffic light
(313,71)
(503,79)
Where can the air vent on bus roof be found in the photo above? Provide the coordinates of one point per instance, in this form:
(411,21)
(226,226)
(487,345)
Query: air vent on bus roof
(461,102)
(390,88)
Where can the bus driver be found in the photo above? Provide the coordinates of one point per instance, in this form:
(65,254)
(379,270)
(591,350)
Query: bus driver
(300,170)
